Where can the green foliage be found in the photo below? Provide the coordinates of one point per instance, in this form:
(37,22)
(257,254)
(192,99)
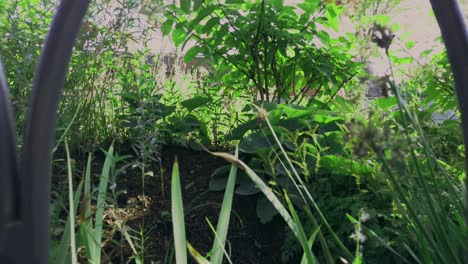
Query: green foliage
(266,47)
(386,178)
(330,170)
(91,223)
(178,223)
(437,82)
(19,48)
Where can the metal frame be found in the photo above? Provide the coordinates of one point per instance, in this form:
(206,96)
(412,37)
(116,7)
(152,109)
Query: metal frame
(453,29)
(25,192)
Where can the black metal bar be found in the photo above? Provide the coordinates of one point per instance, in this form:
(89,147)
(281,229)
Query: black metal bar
(8,162)
(40,128)
(453,29)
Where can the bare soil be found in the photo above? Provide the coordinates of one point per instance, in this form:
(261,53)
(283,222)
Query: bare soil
(249,241)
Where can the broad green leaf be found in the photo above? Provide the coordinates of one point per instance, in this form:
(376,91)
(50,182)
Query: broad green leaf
(246,187)
(166,27)
(214,21)
(206,11)
(409,44)
(309,7)
(293,124)
(331,10)
(239,132)
(219,178)
(255,143)
(178,36)
(324,117)
(333,22)
(185,5)
(385,103)
(277,4)
(265,210)
(197,4)
(193,103)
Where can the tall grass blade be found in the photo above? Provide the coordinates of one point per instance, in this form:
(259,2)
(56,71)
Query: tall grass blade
(309,256)
(263,188)
(323,242)
(196,255)
(64,134)
(86,226)
(123,230)
(216,238)
(311,243)
(62,252)
(96,257)
(224,217)
(385,244)
(178,223)
(306,192)
(72,212)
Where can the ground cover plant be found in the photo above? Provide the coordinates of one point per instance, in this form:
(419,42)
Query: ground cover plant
(253,143)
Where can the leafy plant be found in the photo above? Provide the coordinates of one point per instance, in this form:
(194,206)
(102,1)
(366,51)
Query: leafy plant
(266,47)
(218,249)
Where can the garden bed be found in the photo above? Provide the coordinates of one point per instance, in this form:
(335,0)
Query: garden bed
(249,240)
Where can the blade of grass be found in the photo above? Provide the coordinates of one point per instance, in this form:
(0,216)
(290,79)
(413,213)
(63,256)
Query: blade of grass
(124,231)
(96,257)
(385,244)
(311,243)
(86,226)
(68,128)
(217,238)
(323,241)
(262,112)
(178,223)
(262,187)
(64,246)
(72,211)
(224,217)
(197,256)
(302,237)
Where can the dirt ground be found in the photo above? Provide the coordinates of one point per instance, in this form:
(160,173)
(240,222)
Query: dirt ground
(249,241)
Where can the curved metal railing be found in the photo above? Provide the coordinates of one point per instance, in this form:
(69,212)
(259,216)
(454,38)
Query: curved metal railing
(25,192)
(453,29)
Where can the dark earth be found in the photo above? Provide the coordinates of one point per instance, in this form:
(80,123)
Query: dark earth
(249,241)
